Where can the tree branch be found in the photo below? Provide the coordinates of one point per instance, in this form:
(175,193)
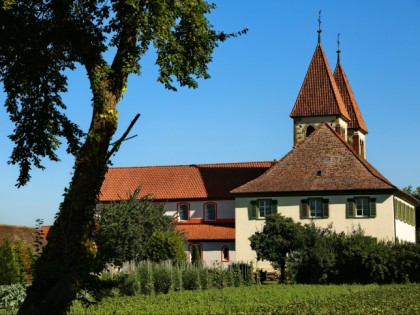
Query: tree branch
(117,143)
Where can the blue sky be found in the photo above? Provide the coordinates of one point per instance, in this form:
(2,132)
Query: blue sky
(242,112)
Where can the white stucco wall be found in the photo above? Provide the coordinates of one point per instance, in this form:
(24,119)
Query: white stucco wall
(405,232)
(212,252)
(381,227)
(225,208)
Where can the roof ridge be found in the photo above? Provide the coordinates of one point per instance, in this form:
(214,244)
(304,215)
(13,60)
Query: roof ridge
(190,165)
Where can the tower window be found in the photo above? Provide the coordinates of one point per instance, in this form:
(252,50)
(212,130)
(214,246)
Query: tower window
(309,130)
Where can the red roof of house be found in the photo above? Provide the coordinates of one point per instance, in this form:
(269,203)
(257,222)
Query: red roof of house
(322,162)
(356,119)
(15,233)
(319,94)
(207,232)
(203,181)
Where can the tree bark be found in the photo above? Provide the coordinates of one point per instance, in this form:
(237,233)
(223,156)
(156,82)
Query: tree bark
(282,271)
(66,258)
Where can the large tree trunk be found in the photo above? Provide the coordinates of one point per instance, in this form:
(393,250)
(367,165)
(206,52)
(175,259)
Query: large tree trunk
(66,258)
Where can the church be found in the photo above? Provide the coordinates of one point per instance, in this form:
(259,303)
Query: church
(324,179)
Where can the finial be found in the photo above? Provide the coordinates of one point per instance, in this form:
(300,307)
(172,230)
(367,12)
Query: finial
(319,27)
(338,49)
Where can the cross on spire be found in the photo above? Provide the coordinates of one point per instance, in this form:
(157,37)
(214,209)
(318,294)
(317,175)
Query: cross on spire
(338,49)
(319,27)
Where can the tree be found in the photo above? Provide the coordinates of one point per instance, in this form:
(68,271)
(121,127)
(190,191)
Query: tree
(128,231)
(166,245)
(9,269)
(279,237)
(39,40)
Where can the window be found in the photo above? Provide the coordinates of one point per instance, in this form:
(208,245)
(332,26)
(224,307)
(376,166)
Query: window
(314,208)
(183,212)
(404,212)
(210,211)
(259,209)
(264,208)
(309,130)
(196,253)
(225,253)
(361,207)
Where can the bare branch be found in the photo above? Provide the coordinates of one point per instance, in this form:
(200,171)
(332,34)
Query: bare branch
(117,143)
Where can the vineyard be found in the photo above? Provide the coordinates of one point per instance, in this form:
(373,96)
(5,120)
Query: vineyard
(268,299)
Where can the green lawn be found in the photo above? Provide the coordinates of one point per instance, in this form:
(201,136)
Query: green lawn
(269,299)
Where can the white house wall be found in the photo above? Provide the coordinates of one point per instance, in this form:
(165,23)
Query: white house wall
(225,208)
(212,252)
(381,227)
(405,232)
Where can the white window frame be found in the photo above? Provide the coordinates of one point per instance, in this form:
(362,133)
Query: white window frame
(315,208)
(361,205)
(264,208)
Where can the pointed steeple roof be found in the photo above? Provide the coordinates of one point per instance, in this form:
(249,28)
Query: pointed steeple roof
(319,94)
(322,162)
(356,119)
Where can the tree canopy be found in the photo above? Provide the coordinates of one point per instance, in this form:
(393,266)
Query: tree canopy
(39,42)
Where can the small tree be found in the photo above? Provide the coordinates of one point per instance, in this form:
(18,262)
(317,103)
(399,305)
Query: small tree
(279,237)
(9,270)
(125,229)
(166,245)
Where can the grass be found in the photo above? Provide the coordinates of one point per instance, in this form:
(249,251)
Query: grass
(268,299)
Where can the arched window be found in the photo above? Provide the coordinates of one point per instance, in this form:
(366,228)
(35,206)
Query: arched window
(309,130)
(183,212)
(225,253)
(196,253)
(210,211)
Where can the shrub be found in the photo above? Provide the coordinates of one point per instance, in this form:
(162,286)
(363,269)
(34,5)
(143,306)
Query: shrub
(9,270)
(162,279)
(12,296)
(191,279)
(145,273)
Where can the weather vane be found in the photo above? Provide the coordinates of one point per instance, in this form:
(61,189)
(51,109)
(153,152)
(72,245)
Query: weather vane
(338,48)
(319,27)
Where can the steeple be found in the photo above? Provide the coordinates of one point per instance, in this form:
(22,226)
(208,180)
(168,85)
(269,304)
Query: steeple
(319,99)
(356,127)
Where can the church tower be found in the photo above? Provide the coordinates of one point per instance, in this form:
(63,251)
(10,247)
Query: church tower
(327,97)
(319,99)
(356,127)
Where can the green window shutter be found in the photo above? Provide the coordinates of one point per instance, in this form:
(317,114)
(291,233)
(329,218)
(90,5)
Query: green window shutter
(325,208)
(252,210)
(273,206)
(304,209)
(372,207)
(395,208)
(400,211)
(404,212)
(350,208)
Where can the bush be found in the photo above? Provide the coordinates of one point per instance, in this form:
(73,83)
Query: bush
(162,279)
(9,269)
(191,279)
(12,296)
(145,273)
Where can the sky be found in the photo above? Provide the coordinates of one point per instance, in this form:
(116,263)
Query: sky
(242,113)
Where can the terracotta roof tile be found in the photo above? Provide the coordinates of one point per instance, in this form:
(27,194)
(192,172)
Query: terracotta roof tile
(14,233)
(202,181)
(319,94)
(207,232)
(322,162)
(356,119)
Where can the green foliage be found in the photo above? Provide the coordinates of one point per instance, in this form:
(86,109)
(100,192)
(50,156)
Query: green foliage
(136,229)
(12,296)
(191,279)
(279,237)
(145,273)
(162,279)
(9,268)
(166,245)
(269,299)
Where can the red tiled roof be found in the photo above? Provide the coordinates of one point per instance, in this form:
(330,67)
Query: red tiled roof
(356,119)
(15,233)
(322,162)
(319,94)
(204,181)
(207,232)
